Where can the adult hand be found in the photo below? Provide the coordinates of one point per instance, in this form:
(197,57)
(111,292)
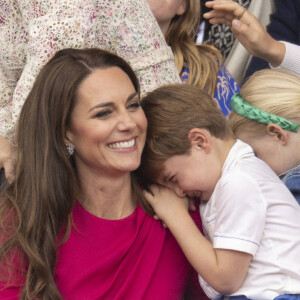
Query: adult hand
(247,29)
(7,158)
(166,204)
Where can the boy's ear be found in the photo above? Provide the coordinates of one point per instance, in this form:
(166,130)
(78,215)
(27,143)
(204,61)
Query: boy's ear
(278,133)
(199,138)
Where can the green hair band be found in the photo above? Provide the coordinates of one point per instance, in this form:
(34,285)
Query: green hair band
(245,109)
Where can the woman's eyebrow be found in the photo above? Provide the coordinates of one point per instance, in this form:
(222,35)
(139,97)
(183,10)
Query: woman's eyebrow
(102,105)
(110,103)
(131,96)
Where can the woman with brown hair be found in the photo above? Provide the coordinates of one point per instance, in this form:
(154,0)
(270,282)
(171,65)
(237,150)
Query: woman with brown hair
(73,222)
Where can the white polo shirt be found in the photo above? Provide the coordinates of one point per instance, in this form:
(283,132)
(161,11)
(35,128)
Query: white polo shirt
(252,211)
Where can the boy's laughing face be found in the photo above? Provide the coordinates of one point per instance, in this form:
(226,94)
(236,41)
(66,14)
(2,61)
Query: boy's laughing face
(193,174)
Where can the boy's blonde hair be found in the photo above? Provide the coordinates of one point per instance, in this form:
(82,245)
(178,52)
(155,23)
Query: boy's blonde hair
(273,91)
(172,111)
(202,60)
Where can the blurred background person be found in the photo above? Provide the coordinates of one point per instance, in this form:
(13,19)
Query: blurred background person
(253,36)
(236,58)
(198,65)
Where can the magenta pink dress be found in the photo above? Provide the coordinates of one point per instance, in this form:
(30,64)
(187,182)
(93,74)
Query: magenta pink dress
(131,258)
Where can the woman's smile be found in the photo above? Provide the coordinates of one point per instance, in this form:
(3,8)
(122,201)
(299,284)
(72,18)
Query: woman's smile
(124,145)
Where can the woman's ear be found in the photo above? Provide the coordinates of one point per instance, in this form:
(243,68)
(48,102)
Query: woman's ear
(68,138)
(200,139)
(278,133)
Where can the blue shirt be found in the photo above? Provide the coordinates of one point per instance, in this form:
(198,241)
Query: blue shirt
(226,88)
(292,181)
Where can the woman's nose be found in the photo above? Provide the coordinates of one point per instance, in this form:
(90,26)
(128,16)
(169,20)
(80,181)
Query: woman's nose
(126,122)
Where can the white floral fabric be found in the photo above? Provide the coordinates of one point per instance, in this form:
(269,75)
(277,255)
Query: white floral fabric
(31,32)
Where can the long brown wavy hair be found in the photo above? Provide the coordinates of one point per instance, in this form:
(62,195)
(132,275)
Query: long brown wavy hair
(202,60)
(37,206)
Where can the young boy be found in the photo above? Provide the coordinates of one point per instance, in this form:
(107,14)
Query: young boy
(250,218)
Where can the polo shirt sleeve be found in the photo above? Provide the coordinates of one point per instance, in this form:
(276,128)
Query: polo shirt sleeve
(240,214)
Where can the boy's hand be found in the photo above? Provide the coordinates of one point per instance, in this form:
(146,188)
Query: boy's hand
(166,204)
(192,204)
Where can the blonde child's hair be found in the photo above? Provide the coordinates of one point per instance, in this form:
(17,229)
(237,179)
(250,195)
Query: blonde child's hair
(273,91)
(202,60)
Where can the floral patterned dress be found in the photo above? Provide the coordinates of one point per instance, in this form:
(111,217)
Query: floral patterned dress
(32,31)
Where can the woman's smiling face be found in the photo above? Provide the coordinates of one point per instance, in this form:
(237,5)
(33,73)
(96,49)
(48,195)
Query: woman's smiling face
(107,125)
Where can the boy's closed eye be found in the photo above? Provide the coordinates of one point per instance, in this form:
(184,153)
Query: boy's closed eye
(172,179)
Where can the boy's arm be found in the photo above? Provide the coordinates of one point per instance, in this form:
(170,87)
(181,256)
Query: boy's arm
(224,270)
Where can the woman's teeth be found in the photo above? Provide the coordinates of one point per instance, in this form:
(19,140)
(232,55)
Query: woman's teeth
(122,145)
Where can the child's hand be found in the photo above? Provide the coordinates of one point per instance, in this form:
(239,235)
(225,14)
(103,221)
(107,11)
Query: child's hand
(192,204)
(166,204)
(192,207)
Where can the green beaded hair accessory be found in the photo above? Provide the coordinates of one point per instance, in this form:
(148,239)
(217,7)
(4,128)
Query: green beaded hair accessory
(245,109)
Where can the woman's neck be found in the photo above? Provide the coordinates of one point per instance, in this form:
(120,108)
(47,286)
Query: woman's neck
(107,197)
(164,27)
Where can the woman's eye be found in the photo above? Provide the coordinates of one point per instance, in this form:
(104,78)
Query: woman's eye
(102,114)
(134,105)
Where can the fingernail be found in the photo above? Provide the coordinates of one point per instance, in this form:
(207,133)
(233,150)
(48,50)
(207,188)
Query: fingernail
(207,3)
(236,23)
